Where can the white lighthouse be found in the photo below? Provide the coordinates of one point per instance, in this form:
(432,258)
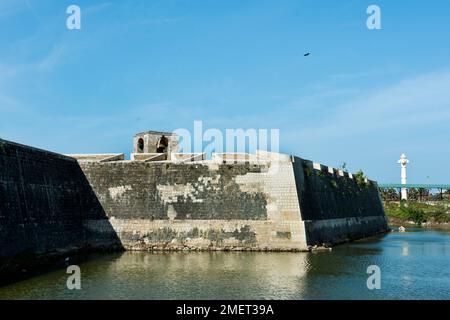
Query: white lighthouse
(403,162)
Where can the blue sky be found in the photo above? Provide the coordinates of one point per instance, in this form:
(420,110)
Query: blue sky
(362,97)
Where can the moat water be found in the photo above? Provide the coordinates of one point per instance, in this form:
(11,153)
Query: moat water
(413,265)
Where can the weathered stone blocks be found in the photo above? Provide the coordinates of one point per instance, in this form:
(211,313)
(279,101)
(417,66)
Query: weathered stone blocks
(51,203)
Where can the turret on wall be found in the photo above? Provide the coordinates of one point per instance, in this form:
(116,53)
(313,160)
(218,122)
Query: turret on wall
(154,142)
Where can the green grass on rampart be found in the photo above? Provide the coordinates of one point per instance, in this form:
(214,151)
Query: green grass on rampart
(419,212)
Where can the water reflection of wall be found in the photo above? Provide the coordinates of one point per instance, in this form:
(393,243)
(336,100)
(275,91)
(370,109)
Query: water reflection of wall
(339,274)
(211,275)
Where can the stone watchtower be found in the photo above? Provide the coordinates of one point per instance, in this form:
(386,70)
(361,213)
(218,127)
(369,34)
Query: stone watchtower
(148,142)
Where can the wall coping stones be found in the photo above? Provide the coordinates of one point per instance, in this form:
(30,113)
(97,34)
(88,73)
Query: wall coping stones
(54,154)
(97,157)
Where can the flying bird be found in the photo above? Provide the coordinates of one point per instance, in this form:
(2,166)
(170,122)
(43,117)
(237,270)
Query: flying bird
(306,54)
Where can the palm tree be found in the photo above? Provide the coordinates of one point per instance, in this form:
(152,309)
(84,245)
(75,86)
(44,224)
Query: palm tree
(413,194)
(423,193)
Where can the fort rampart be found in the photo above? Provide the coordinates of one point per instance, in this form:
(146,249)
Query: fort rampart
(52,204)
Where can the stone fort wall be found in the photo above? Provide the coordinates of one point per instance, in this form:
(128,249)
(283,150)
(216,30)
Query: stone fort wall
(201,205)
(291,204)
(53,205)
(335,206)
(43,199)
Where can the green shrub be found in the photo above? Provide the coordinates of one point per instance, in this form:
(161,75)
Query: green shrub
(307,170)
(418,212)
(360,178)
(414,214)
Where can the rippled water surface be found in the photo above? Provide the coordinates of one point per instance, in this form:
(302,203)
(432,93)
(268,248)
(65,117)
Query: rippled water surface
(414,265)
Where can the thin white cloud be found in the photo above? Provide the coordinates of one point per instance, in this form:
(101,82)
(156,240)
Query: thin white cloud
(8,104)
(419,101)
(160,20)
(52,59)
(96,8)
(9,7)
(33,11)
(12,74)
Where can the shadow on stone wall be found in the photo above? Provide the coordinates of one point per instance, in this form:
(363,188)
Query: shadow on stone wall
(44,199)
(337,208)
(323,195)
